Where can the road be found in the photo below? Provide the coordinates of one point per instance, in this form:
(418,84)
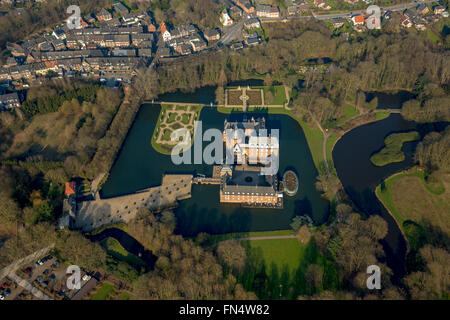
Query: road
(399,7)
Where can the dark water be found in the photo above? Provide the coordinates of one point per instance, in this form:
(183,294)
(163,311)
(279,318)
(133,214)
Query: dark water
(360,177)
(390,100)
(139,166)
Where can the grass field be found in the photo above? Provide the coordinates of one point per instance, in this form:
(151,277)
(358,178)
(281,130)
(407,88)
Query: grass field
(382,115)
(349,112)
(278,93)
(392,152)
(104,292)
(410,199)
(276,269)
(115,249)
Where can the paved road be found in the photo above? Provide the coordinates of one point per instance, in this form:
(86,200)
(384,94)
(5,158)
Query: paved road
(231,33)
(348,14)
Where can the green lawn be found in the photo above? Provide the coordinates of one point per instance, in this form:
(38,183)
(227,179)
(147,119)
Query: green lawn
(115,249)
(271,263)
(278,252)
(349,112)
(104,292)
(279,95)
(392,151)
(382,115)
(411,200)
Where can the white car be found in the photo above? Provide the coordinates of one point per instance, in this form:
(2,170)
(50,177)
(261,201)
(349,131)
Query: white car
(86,277)
(2,297)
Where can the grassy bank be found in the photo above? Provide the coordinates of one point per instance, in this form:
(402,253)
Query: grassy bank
(415,203)
(392,152)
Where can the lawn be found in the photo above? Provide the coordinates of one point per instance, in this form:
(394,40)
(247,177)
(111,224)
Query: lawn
(278,95)
(392,152)
(276,269)
(382,115)
(349,112)
(104,292)
(115,249)
(413,201)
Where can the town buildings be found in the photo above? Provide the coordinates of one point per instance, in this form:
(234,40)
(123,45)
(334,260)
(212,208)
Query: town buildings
(266,11)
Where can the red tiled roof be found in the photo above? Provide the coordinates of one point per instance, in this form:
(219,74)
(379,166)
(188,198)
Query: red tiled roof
(70,188)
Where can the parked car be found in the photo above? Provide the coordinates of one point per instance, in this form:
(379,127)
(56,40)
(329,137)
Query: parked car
(7,292)
(47,271)
(5,285)
(52,276)
(56,264)
(28,270)
(86,277)
(38,279)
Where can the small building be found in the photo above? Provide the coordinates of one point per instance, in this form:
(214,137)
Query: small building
(405,22)
(237,46)
(358,20)
(422,9)
(252,23)
(225,19)
(321,4)
(165,52)
(266,11)
(337,22)
(9,101)
(211,35)
(120,8)
(293,10)
(439,9)
(246,6)
(352,2)
(235,12)
(252,41)
(418,24)
(165,32)
(104,15)
(59,34)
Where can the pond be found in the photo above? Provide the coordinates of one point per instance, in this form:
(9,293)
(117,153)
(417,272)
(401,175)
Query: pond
(351,156)
(139,166)
(390,100)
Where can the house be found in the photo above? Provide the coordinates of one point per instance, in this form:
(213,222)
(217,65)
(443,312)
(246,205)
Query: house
(337,22)
(130,18)
(419,24)
(104,15)
(422,9)
(252,41)
(198,45)
(237,46)
(211,35)
(439,9)
(120,8)
(165,32)
(9,101)
(59,34)
(165,52)
(225,18)
(252,23)
(89,18)
(358,20)
(183,49)
(293,10)
(410,13)
(70,189)
(352,2)
(145,52)
(139,38)
(10,62)
(124,53)
(235,12)
(445,14)
(246,6)
(321,4)
(267,11)
(405,22)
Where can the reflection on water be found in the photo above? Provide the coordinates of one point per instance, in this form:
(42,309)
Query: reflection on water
(139,166)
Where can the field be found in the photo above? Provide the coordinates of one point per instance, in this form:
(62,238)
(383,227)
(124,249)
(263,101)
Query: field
(233,97)
(415,203)
(108,291)
(392,152)
(276,269)
(349,112)
(274,95)
(115,249)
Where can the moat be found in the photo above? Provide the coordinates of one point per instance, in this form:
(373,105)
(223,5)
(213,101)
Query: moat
(139,166)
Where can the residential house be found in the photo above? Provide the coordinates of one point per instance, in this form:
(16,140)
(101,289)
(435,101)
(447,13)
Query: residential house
(352,2)
(266,11)
(418,24)
(252,23)
(145,52)
(198,44)
(225,18)
(321,4)
(120,8)
(293,10)
(9,101)
(439,9)
(183,49)
(246,6)
(410,13)
(337,22)
(252,41)
(104,15)
(165,52)
(124,53)
(211,35)
(59,34)
(165,32)
(10,62)
(358,19)
(138,38)
(422,9)
(405,22)
(235,12)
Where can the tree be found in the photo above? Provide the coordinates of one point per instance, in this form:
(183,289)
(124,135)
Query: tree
(268,80)
(232,254)
(301,220)
(329,185)
(220,95)
(314,275)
